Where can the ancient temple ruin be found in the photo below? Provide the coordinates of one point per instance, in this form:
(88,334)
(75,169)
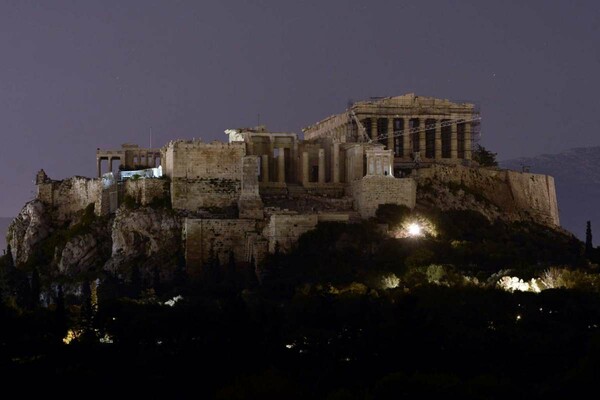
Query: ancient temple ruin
(414,128)
(259,190)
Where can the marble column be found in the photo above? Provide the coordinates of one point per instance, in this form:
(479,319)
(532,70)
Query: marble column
(294,162)
(98,166)
(406,136)
(453,142)
(264,159)
(468,141)
(272,166)
(321,166)
(374,129)
(336,162)
(305,177)
(438,139)
(422,141)
(281,165)
(110,164)
(391,135)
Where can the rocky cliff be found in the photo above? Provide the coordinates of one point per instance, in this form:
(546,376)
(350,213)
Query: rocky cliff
(87,245)
(28,229)
(577,176)
(75,241)
(495,193)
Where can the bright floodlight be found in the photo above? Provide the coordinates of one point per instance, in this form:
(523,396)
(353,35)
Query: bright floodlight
(414,229)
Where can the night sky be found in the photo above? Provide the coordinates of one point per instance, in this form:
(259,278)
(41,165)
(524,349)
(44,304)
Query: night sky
(77,75)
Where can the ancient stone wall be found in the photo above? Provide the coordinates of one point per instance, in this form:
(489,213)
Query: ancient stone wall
(198,160)
(71,195)
(372,191)
(284,230)
(250,204)
(526,194)
(206,238)
(355,168)
(146,191)
(194,194)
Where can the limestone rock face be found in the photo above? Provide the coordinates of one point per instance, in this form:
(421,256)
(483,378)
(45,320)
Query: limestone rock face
(152,235)
(440,196)
(509,195)
(29,228)
(85,251)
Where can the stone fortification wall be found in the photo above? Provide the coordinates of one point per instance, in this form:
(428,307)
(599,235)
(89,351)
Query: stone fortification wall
(373,190)
(284,230)
(71,195)
(146,191)
(206,238)
(528,195)
(194,194)
(250,204)
(198,160)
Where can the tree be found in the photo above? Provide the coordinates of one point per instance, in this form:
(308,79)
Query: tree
(484,157)
(589,247)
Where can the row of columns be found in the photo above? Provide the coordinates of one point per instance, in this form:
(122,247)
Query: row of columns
(305,166)
(150,161)
(407,138)
(110,164)
(321,166)
(148,155)
(264,164)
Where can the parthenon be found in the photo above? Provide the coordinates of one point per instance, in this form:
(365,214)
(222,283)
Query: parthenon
(419,128)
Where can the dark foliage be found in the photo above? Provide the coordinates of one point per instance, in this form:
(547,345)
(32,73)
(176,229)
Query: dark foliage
(484,157)
(297,336)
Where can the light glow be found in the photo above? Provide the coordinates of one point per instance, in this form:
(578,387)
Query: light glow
(414,229)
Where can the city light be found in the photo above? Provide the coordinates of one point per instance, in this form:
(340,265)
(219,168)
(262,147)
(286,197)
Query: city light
(414,230)
(415,226)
